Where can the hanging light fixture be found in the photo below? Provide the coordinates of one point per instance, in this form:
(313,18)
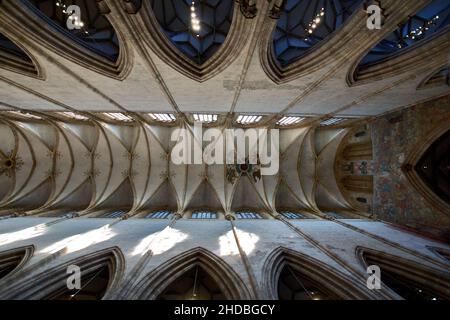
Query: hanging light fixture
(315,22)
(194,289)
(195,22)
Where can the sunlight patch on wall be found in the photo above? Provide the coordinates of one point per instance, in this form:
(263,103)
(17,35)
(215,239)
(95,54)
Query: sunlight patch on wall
(81,241)
(24,234)
(228,246)
(160,242)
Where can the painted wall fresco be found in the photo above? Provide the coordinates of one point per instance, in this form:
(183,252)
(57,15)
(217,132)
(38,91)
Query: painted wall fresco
(394,135)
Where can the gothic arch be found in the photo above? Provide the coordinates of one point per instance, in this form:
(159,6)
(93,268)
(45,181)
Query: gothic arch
(51,282)
(47,31)
(14,57)
(440,252)
(403,51)
(418,275)
(328,277)
(404,61)
(415,155)
(226,54)
(154,283)
(13,260)
(439,77)
(317,55)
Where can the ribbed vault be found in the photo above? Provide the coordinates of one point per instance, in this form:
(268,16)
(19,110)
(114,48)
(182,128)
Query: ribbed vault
(91,166)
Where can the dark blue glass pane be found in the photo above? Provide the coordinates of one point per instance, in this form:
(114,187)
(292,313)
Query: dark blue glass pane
(97,34)
(431,19)
(305,23)
(175,18)
(9,47)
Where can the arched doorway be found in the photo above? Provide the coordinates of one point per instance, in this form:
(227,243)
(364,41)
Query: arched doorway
(294,285)
(406,279)
(12,260)
(427,168)
(194,284)
(195,274)
(291,275)
(94,284)
(99,273)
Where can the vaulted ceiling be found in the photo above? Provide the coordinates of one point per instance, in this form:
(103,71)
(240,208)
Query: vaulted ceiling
(312,59)
(142,56)
(90,165)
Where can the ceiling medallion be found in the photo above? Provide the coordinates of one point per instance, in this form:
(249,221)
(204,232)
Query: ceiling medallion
(253,171)
(10,165)
(94,173)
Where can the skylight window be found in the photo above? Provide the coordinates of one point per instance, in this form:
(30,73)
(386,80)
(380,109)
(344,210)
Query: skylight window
(288,121)
(114,215)
(292,215)
(25,114)
(162,214)
(204,215)
(248,215)
(205,118)
(332,121)
(73,115)
(243,119)
(163,117)
(118,116)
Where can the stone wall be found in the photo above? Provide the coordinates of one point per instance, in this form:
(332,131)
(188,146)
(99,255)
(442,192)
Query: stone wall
(328,242)
(394,137)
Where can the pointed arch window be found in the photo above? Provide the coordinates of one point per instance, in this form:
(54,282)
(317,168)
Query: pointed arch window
(114,214)
(13,58)
(196,28)
(93,286)
(100,271)
(160,214)
(204,215)
(293,285)
(439,78)
(195,284)
(433,167)
(248,215)
(197,274)
(293,215)
(10,47)
(408,279)
(427,22)
(441,252)
(12,260)
(73,115)
(291,275)
(95,32)
(305,23)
